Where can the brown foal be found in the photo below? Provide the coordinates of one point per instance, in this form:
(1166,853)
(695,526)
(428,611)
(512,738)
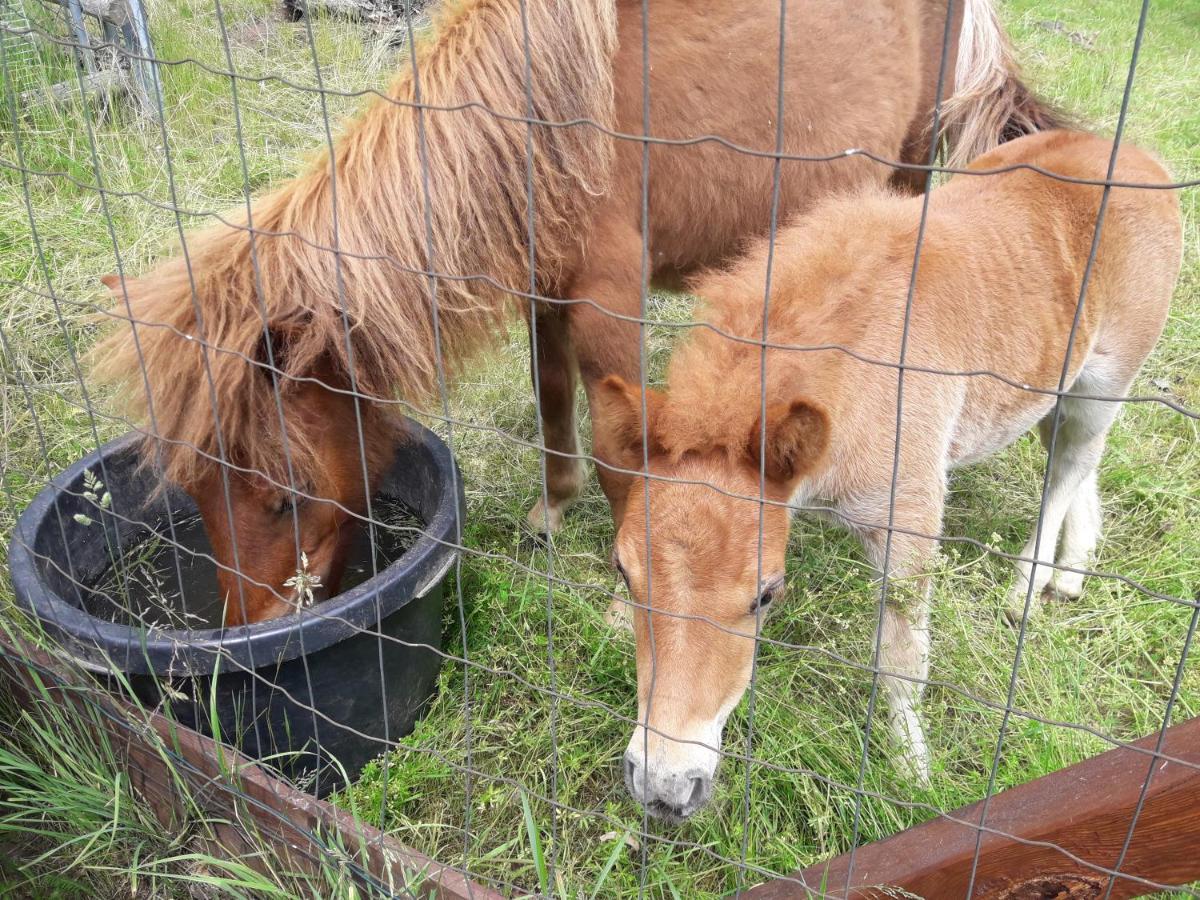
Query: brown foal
(999,278)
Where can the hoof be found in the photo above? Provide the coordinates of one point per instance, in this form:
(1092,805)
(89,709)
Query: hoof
(915,771)
(1013,614)
(545,520)
(1067,584)
(912,764)
(1016,598)
(1016,606)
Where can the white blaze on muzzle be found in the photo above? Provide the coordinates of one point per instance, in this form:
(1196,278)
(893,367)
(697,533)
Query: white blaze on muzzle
(671,772)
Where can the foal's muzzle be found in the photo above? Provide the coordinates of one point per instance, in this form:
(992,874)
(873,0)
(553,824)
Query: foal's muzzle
(667,795)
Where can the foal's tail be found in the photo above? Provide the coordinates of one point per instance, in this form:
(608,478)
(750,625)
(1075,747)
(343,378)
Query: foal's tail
(990,104)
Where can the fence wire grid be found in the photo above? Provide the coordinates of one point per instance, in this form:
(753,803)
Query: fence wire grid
(513,774)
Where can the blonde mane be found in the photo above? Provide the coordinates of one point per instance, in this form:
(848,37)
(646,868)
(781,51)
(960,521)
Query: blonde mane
(202,311)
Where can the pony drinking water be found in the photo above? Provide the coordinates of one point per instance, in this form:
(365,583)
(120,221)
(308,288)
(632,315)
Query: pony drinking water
(505,162)
(999,278)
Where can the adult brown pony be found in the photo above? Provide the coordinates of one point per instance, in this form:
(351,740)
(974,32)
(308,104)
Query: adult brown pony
(1000,275)
(235,306)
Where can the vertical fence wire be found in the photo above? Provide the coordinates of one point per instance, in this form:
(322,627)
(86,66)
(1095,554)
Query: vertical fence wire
(759,611)
(1155,762)
(543,460)
(644,274)
(444,400)
(272,371)
(893,486)
(223,459)
(351,369)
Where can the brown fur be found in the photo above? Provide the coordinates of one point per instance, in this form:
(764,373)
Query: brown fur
(711,73)
(259,529)
(1000,272)
(792,441)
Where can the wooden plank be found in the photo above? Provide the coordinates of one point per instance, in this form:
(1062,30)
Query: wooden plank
(100,83)
(1084,809)
(180,772)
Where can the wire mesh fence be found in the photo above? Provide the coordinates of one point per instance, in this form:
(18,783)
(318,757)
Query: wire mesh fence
(339,536)
(17,22)
(99,49)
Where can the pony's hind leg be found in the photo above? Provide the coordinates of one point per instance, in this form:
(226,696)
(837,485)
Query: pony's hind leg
(1070,492)
(1081,533)
(555,384)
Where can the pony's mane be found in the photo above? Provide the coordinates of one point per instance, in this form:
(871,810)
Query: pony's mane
(199,330)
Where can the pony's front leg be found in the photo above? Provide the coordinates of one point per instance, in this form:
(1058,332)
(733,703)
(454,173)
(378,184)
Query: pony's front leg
(606,338)
(555,385)
(904,628)
(904,664)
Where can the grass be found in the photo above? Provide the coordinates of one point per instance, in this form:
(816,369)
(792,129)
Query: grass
(72,825)
(533,735)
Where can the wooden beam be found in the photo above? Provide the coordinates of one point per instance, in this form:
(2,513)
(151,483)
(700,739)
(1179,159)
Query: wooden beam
(100,84)
(1084,809)
(180,772)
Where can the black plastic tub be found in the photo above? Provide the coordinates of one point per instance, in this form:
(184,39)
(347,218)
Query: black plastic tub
(315,694)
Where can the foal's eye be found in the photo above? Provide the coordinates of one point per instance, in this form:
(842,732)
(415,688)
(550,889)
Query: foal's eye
(773,589)
(285,504)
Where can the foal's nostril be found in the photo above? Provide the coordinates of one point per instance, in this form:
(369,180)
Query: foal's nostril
(630,771)
(697,792)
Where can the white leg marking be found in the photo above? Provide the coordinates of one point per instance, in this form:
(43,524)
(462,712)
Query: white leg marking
(548,519)
(905,651)
(1081,533)
(545,519)
(1059,495)
(1080,442)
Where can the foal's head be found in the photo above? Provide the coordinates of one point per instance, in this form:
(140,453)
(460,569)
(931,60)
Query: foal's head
(701,578)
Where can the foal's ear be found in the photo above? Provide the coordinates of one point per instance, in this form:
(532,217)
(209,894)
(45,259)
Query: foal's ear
(617,418)
(797,436)
(112,281)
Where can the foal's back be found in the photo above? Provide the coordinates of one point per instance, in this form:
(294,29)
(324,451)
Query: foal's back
(1000,268)
(1019,242)
(1002,284)
(1003,258)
